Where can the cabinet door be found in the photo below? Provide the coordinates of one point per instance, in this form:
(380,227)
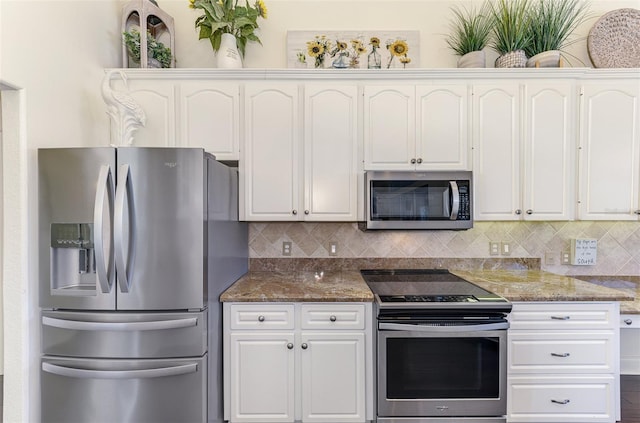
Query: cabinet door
(442,135)
(389,127)
(610,151)
(496,155)
(157,99)
(549,151)
(270,173)
(330,153)
(333,381)
(262,377)
(210,117)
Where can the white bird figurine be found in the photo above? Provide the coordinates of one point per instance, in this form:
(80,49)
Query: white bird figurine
(123,109)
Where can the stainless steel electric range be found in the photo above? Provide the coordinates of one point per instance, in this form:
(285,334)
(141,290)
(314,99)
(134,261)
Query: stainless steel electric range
(441,348)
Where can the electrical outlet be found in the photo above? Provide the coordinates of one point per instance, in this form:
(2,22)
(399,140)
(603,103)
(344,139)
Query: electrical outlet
(494,248)
(286,248)
(333,249)
(565,257)
(505,248)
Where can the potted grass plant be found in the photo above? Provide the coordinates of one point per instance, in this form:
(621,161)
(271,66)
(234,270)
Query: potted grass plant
(511,34)
(551,24)
(470,32)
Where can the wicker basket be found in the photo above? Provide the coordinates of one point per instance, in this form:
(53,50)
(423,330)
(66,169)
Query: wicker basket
(513,59)
(614,40)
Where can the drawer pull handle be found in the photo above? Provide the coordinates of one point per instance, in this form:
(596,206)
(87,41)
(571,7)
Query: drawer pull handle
(261,318)
(560,317)
(563,402)
(333,318)
(628,321)
(290,346)
(560,355)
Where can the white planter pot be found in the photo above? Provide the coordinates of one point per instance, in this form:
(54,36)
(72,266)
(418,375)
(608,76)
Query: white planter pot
(473,59)
(546,59)
(228,56)
(513,59)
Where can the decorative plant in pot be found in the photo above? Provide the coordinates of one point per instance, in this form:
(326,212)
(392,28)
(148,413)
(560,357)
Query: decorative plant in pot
(470,33)
(510,32)
(229,27)
(158,55)
(551,24)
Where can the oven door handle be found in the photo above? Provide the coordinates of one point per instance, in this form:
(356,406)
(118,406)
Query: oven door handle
(427,328)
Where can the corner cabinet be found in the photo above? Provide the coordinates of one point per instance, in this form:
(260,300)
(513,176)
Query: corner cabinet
(287,362)
(524,149)
(299,160)
(563,363)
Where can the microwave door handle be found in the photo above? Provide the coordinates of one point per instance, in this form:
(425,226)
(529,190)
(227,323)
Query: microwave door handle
(455,200)
(451,329)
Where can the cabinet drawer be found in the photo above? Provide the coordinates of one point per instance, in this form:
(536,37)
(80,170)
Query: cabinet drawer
(332,316)
(250,316)
(553,399)
(562,352)
(565,316)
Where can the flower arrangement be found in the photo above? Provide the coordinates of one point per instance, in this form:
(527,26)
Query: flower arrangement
(398,48)
(227,17)
(318,48)
(155,49)
(357,50)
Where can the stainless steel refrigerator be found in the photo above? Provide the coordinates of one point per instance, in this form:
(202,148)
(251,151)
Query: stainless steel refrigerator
(136,245)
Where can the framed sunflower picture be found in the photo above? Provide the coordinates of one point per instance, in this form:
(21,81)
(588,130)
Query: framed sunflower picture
(353,49)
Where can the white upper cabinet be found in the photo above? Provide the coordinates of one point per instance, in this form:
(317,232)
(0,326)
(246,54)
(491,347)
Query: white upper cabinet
(610,150)
(422,127)
(524,149)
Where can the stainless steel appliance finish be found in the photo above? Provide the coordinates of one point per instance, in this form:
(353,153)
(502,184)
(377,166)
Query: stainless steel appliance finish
(419,200)
(441,348)
(136,245)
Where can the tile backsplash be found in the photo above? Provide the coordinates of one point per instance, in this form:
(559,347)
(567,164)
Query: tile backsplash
(618,250)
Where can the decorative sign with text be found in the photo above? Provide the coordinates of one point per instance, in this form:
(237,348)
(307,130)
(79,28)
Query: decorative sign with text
(584,251)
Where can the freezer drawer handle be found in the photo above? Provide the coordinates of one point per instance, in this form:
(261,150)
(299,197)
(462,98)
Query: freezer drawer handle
(105,186)
(120,326)
(120,374)
(124,190)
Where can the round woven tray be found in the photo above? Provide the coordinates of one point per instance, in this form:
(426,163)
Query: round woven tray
(614,40)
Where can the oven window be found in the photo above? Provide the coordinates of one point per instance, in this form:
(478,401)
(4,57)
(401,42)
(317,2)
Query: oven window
(443,368)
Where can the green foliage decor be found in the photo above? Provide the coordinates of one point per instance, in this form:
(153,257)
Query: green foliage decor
(471,29)
(552,22)
(226,16)
(155,49)
(511,19)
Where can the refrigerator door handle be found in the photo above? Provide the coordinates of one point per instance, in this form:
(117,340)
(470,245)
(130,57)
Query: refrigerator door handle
(119,374)
(104,187)
(120,326)
(123,196)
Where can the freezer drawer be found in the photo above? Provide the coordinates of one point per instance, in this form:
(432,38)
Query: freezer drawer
(124,335)
(108,391)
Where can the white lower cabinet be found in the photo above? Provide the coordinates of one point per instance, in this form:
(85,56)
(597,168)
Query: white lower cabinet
(286,362)
(563,363)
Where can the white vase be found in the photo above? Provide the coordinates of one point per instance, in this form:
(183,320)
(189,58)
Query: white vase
(228,56)
(546,59)
(473,59)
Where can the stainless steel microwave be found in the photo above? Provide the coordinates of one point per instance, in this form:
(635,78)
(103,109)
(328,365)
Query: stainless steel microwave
(419,200)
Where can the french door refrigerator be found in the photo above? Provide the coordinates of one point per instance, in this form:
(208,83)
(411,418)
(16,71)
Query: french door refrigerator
(136,245)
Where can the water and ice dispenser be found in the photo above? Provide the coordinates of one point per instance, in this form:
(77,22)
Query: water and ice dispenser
(72,259)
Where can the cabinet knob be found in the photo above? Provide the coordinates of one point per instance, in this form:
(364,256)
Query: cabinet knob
(518,211)
(419,160)
(306,212)
(637,212)
(290,346)
(565,401)
(529,211)
(560,355)
(413,161)
(333,318)
(261,318)
(304,346)
(294,212)
(628,321)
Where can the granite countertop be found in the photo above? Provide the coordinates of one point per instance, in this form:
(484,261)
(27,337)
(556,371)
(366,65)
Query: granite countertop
(630,284)
(296,286)
(537,285)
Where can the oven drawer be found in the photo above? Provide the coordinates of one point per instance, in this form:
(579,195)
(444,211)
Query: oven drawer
(261,316)
(566,399)
(332,316)
(563,316)
(562,352)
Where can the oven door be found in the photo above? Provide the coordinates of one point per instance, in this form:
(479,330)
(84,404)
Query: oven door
(430,370)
